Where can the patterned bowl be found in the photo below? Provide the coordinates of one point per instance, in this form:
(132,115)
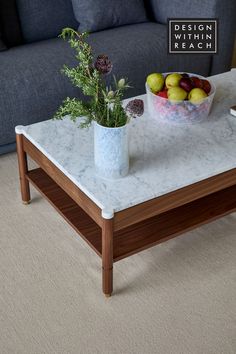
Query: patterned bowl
(179,112)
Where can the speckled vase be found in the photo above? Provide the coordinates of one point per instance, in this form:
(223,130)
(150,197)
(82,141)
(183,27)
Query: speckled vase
(111,151)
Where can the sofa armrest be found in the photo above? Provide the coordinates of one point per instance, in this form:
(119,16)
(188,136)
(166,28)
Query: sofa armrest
(223,10)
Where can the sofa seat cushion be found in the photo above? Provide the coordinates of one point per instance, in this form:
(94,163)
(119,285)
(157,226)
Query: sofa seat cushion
(44,19)
(32,86)
(96,15)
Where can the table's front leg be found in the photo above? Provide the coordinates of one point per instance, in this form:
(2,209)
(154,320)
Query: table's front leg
(23,169)
(107,256)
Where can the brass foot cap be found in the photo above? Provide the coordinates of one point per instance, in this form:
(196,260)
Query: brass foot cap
(26,202)
(108,295)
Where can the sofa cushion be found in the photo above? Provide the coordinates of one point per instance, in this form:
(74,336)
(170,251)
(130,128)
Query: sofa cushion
(96,15)
(10,25)
(32,86)
(44,19)
(162,10)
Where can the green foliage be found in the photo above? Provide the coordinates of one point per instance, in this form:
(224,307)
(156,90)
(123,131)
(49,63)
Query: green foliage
(103,104)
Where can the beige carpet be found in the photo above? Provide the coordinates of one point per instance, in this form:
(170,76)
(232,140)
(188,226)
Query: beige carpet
(176,298)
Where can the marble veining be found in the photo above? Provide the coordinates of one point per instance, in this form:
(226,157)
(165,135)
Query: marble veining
(163,158)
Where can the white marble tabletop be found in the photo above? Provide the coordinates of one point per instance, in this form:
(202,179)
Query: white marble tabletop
(164,157)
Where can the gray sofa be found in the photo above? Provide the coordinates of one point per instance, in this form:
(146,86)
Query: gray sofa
(32,87)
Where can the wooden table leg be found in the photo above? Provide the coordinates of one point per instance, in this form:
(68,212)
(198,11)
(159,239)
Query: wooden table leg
(107,256)
(23,169)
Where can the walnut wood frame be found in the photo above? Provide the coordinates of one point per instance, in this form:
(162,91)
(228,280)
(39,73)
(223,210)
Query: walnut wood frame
(131,230)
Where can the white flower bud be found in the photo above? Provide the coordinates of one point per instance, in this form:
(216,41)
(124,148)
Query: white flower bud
(121,83)
(110,94)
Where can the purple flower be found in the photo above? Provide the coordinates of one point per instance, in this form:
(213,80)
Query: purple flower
(103,64)
(135,108)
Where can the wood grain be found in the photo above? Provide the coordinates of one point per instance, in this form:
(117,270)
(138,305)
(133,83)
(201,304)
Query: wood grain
(107,256)
(172,223)
(174,199)
(144,234)
(23,169)
(66,207)
(64,182)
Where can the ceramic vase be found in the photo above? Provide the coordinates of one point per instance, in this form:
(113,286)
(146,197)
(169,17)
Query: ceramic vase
(111,151)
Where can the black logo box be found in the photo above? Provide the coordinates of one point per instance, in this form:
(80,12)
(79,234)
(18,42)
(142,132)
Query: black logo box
(192,36)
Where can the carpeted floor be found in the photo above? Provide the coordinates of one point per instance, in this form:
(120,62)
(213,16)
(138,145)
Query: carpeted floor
(176,298)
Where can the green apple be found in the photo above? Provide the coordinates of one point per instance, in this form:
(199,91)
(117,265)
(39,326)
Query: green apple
(155,82)
(173,80)
(197,95)
(176,94)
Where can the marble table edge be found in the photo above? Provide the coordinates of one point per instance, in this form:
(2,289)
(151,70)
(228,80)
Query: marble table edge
(107,213)
(19,129)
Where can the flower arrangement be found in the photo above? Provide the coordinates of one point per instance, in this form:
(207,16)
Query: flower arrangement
(104,103)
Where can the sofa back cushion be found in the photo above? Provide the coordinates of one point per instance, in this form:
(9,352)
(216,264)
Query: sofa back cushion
(96,15)
(160,10)
(10,25)
(44,19)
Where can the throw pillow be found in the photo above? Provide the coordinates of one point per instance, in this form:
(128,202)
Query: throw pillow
(97,15)
(44,19)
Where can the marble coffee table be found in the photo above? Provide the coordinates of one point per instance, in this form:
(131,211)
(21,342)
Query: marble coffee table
(180,177)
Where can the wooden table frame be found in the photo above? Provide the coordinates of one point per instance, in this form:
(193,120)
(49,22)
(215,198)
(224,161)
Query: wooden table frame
(131,230)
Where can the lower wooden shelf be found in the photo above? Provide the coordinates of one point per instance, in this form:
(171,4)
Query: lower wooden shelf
(66,206)
(144,234)
(174,222)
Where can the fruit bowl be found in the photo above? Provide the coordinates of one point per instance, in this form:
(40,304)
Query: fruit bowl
(183,111)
